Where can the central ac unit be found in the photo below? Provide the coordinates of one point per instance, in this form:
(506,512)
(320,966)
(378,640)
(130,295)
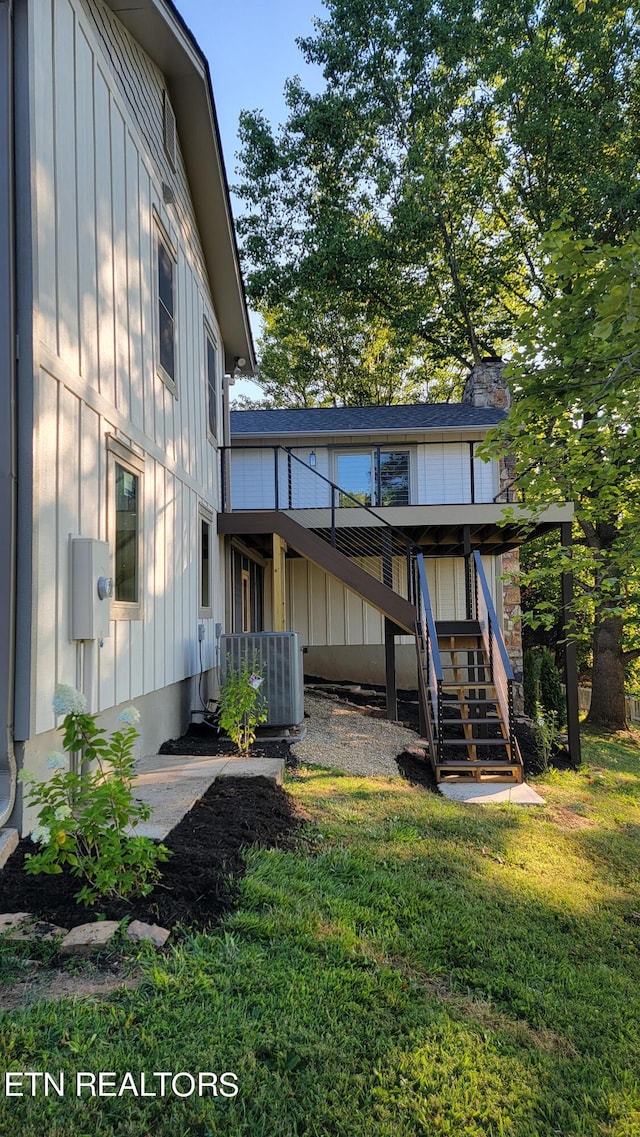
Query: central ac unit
(277,656)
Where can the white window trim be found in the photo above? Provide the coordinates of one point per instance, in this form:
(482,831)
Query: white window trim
(118,451)
(205,514)
(163,237)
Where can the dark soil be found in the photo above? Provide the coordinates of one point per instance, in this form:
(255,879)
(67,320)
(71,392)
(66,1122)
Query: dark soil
(202,739)
(199,881)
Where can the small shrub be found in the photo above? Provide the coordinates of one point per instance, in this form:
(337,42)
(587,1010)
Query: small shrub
(241,706)
(545,731)
(530,681)
(86,813)
(551,695)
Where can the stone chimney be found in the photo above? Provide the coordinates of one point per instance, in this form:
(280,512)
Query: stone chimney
(486,385)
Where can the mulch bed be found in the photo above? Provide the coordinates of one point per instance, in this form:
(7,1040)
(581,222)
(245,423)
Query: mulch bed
(199,881)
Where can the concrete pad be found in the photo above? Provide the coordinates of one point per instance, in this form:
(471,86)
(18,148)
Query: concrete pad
(490,793)
(8,843)
(172,783)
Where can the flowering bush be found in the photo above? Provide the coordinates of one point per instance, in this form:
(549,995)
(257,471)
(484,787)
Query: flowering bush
(87,813)
(241,705)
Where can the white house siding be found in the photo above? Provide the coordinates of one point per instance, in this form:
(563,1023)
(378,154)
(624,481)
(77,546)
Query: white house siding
(98,168)
(344,635)
(440,474)
(324,611)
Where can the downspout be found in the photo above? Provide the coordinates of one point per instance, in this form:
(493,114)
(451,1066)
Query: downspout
(8,478)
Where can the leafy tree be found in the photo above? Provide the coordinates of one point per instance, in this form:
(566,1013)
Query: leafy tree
(417,187)
(334,357)
(574,429)
(449,137)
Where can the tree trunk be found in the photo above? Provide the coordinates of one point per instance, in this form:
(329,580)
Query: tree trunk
(607,684)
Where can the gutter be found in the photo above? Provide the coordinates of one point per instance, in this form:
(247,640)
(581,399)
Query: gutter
(8,475)
(236,436)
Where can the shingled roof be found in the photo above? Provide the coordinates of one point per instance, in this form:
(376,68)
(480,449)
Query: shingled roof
(347,420)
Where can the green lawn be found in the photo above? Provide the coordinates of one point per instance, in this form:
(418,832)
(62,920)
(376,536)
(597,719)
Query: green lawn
(418,967)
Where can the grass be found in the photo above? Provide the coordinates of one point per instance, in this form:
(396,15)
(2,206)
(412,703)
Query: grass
(418,967)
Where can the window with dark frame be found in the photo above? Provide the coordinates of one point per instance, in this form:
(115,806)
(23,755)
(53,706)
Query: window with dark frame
(205,563)
(394,477)
(373,477)
(212,386)
(166,309)
(127,533)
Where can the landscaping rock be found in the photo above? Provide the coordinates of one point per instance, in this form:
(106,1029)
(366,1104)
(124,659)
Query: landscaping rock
(89,938)
(37,931)
(151,933)
(12,920)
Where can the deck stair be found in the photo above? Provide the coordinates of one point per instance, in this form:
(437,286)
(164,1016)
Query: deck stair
(466,689)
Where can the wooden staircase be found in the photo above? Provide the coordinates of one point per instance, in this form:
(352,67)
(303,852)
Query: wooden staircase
(466,690)
(474,736)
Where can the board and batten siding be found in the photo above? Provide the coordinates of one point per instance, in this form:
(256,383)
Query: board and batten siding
(440,474)
(98,166)
(326,613)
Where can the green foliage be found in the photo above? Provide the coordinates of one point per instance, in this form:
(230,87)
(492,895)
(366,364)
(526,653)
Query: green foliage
(241,706)
(410,194)
(573,430)
(551,696)
(86,813)
(546,734)
(531,676)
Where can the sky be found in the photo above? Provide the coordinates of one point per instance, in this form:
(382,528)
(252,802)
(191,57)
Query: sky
(251,48)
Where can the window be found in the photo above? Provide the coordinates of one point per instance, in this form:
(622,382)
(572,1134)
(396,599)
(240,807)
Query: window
(166,283)
(246,600)
(373,477)
(205,563)
(127,532)
(125,528)
(212,384)
(355,476)
(394,477)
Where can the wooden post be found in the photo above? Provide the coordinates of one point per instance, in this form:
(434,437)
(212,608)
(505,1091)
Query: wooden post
(570,656)
(279,581)
(390,669)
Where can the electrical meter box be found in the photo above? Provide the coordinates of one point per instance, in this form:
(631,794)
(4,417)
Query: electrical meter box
(91,589)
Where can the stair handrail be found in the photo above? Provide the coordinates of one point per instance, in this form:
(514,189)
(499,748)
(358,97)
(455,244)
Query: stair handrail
(483,593)
(427,639)
(499,662)
(427,622)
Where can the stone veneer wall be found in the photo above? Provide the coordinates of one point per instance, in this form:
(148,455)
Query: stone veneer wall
(486,387)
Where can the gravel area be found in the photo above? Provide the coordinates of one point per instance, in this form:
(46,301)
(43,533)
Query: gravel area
(348,740)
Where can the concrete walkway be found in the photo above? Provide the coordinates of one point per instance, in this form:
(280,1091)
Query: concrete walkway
(172,783)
